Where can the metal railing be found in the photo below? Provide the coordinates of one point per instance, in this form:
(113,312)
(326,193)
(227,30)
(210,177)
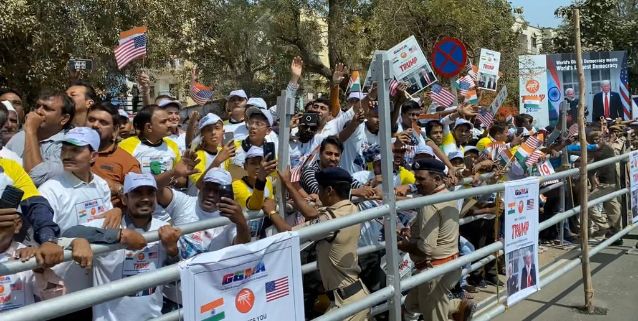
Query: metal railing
(85,298)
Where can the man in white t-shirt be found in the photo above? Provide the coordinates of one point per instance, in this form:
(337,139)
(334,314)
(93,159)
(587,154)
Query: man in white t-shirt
(236,109)
(5,108)
(139,198)
(210,203)
(77,196)
(172,107)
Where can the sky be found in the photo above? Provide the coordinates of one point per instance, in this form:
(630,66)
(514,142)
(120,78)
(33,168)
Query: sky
(541,12)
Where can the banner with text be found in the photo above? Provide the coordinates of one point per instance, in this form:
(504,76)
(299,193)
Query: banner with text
(258,281)
(489,63)
(633,185)
(521,238)
(410,65)
(533,89)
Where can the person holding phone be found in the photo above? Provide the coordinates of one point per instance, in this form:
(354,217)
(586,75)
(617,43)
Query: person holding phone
(215,150)
(259,122)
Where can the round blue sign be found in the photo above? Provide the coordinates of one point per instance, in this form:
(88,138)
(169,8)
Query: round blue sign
(449,57)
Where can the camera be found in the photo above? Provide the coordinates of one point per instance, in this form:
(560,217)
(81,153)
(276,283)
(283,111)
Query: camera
(310,119)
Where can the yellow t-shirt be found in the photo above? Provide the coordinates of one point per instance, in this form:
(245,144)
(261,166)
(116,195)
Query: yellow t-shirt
(483,143)
(406,176)
(13,174)
(248,199)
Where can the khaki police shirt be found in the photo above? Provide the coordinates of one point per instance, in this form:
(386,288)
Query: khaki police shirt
(337,260)
(436,231)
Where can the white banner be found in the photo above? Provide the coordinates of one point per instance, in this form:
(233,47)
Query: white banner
(258,281)
(633,185)
(410,65)
(499,100)
(489,63)
(533,88)
(521,238)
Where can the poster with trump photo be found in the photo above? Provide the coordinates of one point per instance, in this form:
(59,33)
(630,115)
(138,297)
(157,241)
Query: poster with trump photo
(410,65)
(258,281)
(489,63)
(521,203)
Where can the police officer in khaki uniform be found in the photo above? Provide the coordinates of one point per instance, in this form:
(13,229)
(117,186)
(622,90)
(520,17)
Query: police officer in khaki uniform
(433,240)
(336,251)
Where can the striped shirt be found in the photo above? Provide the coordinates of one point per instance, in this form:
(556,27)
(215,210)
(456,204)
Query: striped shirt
(309,182)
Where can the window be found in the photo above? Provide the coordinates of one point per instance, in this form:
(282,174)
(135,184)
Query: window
(534,41)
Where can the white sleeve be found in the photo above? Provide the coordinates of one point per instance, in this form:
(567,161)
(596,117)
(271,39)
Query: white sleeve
(106,196)
(336,125)
(182,208)
(47,190)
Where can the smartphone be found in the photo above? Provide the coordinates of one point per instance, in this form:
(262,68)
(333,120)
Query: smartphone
(227,191)
(11,197)
(310,119)
(228,136)
(269,151)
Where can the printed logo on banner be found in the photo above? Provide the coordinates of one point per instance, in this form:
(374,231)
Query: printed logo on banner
(211,311)
(511,208)
(530,205)
(532,86)
(245,300)
(520,207)
(520,191)
(276,289)
(244,275)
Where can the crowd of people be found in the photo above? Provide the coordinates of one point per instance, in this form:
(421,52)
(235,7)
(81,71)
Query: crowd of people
(85,173)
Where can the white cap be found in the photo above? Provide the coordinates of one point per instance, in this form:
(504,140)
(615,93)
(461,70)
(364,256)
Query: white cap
(167,101)
(255,151)
(273,111)
(9,106)
(256,110)
(257,102)
(573,158)
(209,119)
(122,113)
(424,149)
(356,95)
(239,93)
(83,136)
(219,176)
(134,180)
(454,154)
(469,149)
(463,121)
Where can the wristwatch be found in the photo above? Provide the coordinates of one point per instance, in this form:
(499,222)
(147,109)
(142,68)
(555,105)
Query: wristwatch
(271,213)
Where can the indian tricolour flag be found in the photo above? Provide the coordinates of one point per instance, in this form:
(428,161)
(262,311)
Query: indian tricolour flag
(471,97)
(531,103)
(354,84)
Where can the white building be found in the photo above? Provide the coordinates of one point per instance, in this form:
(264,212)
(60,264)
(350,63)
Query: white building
(530,38)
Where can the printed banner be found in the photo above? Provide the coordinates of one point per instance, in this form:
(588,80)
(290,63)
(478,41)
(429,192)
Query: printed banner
(521,238)
(633,185)
(499,100)
(249,282)
(533,88)
(488,69)
(409,64)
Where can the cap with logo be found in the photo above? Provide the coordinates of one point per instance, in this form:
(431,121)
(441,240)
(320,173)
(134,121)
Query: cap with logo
(429,164)
(256,110)
(209,119)
(237,93)
(83,136)
(218,176)
(135,180)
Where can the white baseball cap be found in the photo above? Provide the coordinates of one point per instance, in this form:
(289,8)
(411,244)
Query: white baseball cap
(469,149)
(219,176)
(257,102)
(356,95)
(239,93)
(209,119)
(463,121)
(134,180)
(256,110)
(83,136)
(424,149)
(9,106)
(164,102)
(454,154)
(255,151)
(122,113)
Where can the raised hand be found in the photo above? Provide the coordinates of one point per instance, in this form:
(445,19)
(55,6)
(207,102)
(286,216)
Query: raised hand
(338,74)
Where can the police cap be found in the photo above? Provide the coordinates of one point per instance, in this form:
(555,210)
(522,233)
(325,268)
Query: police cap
(332,175)
(429,164)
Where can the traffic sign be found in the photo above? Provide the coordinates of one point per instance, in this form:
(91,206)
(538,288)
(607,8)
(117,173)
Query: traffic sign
(449,57)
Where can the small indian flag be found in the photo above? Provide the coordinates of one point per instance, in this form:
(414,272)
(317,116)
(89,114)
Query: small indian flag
(208,311)
(471,97)
(531,102)
(354,85)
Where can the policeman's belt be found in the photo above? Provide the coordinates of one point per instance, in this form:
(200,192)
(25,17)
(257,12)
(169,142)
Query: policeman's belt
(430,263)
(346,291)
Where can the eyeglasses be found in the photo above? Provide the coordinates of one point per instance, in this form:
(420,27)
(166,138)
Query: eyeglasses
(256,124)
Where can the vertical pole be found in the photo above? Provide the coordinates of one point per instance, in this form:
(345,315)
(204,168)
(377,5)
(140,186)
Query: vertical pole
(584,217)
(561,210)
(382,77)
(285,108)
(564,107)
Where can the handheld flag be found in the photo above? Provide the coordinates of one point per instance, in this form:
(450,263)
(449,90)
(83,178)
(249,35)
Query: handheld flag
(132,46)
(471,97)
(441,96)
(485,117)
(200,93)
(354,84)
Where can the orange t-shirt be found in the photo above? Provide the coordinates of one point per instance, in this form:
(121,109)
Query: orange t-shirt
(112,166)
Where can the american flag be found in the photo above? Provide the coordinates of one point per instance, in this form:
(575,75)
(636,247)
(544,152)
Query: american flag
(465,83)
(276,289)
(573,131)
(441,96)
(533,159)
(473,72)
(393,87)
(485,117)
(625,95)
(295,172)
(129,50)
(200,93)
(532,142)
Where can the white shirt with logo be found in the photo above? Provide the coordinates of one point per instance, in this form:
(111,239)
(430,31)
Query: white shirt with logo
(142,305)
(16,290)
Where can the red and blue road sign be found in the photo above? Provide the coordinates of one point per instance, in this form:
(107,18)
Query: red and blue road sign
(449,57)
